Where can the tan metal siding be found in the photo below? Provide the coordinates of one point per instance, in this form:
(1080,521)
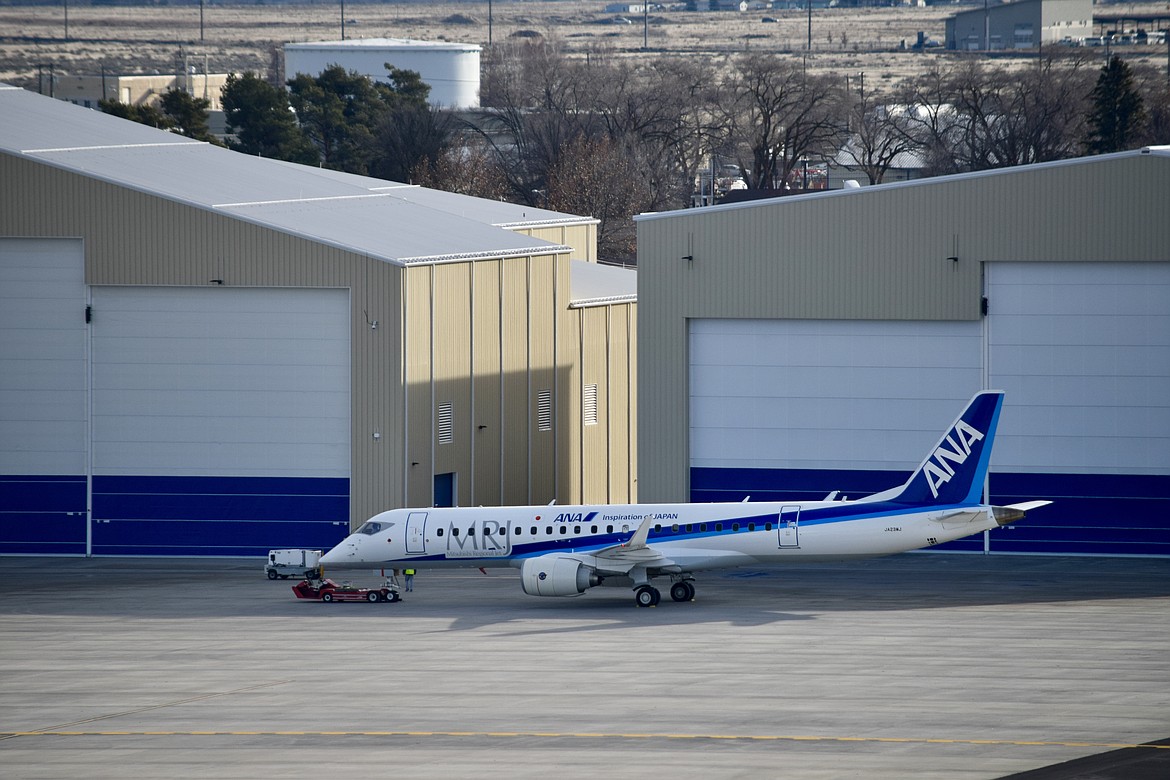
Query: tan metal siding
(543,315)
(594,362)
(418,435)
(874,253)
(487,335)
(620,404)
(515,366)
(452,372)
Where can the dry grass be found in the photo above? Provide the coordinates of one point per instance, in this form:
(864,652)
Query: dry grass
(238,38)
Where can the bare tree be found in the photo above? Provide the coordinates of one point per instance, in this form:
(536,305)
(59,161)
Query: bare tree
(879,135)
(592,178)
(775,114)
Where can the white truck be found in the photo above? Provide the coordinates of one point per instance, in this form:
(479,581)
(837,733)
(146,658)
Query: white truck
(291,563)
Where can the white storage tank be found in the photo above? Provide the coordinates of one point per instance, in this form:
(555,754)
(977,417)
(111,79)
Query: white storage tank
(451,69)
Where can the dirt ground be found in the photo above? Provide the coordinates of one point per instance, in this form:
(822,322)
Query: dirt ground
(228,38)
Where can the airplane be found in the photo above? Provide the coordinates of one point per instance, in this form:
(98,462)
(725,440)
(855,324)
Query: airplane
(565,550)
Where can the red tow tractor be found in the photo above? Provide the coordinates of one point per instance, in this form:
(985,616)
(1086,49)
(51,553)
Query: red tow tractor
(324,589)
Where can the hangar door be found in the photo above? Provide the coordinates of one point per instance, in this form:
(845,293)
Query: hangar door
(42,397)
(220,420)
(794,409)
(1083,351)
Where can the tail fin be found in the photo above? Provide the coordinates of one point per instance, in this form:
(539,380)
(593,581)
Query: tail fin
(956,468)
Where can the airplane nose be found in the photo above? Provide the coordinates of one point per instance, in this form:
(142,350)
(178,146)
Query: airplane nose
(339,554)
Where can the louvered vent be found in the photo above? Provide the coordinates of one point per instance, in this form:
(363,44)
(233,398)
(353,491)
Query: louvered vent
(446,423)
(590,404)
(544,410)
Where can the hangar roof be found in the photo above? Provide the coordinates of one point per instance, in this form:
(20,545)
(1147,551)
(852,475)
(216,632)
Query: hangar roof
(384,220)
(600,285)
(931,181)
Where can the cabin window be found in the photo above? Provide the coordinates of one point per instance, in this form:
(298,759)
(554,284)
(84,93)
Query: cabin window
(576,529)
(503,530)
(548,530)
(751,526)
(593,530)
(563,532)
(471,531)
(609,529)
(767,526)
(439,532)
(688,528)
(674,528)
(718,527)
(533,530)
(703,528)
(454,531)
(735,526)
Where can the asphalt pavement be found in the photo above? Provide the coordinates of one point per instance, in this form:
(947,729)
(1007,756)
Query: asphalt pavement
(916,666)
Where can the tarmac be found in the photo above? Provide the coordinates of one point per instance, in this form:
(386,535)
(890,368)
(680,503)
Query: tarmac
(915,666)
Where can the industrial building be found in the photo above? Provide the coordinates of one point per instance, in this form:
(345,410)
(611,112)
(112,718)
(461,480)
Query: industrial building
(1025,24)
(208,353)
(450,69)
(803,345)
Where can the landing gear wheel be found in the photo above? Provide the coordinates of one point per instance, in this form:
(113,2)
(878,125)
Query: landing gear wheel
(373,596)
(327,598)
(272,574)
(682,591)
(647,596)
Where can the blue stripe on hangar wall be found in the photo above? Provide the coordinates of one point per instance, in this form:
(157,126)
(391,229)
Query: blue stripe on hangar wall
(172,515)
(1097,514)
(42,515)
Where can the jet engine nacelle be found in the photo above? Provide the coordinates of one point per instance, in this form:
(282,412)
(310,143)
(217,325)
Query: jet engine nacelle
(556,575)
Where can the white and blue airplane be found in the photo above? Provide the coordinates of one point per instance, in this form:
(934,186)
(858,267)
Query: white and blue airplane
(565,550)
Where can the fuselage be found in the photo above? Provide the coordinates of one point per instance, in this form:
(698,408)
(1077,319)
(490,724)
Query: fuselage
(694,536)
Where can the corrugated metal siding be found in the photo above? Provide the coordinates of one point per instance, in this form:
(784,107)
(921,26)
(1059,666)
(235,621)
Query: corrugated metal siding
(514,343)
(605,453)
(452,371)
(418,437)
(487,332)
(583,238)
(874,253)
(544,312)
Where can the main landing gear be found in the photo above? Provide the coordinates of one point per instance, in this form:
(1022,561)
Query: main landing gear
(648,595)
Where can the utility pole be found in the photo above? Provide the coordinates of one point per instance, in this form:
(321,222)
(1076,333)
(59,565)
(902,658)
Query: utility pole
(809,4)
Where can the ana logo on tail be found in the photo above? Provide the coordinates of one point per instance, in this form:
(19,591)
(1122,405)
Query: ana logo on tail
(938,469)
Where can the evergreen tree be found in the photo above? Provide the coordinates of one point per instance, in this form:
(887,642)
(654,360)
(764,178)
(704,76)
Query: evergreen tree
(143,115)
(262,121)
(187,114)
(1117,115)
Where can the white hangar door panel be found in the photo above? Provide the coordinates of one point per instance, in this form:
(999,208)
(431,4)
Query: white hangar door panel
(220,420)
(1083,351)
(42,397)
(794,409)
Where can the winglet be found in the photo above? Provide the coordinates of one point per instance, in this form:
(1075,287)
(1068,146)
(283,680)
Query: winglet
(640,536)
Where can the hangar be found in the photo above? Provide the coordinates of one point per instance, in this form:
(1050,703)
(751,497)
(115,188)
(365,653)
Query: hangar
(207,353)
(815,343)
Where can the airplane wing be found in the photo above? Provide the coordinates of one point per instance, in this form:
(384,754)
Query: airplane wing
(621,558)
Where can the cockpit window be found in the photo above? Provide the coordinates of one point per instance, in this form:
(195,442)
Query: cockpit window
(369,529)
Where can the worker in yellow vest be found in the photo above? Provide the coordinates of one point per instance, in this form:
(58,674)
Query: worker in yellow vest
(409,579)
